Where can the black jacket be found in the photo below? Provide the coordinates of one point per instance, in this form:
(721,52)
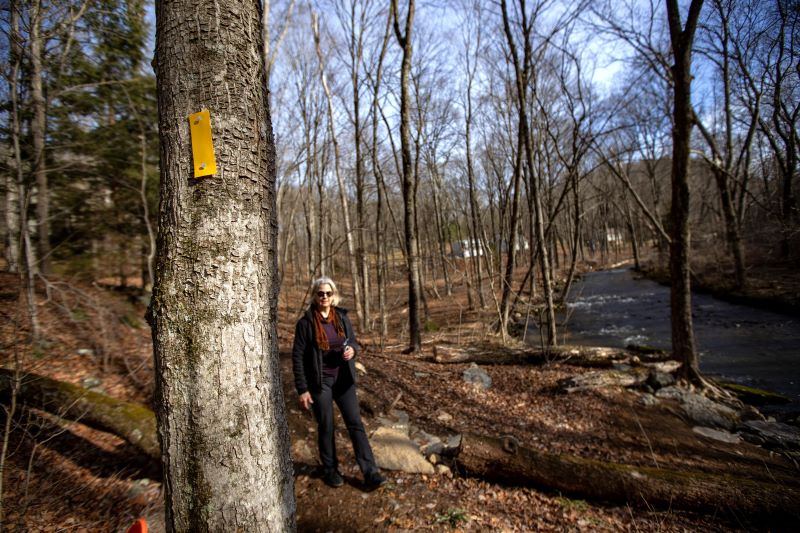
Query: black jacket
(307,357)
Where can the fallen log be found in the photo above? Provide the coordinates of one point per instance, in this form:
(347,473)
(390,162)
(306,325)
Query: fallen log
(131,421)
(591,356)
(599,379)
(504,461)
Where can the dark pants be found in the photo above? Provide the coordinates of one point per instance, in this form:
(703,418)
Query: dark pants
(342,390)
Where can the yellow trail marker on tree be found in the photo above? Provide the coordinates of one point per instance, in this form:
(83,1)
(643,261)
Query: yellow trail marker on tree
(202,145)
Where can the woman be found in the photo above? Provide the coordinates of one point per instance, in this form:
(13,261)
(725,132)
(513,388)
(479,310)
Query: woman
(323,358)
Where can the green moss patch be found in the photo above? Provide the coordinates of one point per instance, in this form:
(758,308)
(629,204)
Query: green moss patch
(755,396)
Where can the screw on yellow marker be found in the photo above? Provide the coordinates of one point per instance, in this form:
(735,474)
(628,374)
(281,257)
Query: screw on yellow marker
(202,145)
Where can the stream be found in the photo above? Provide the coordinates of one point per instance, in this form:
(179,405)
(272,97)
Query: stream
(736,343)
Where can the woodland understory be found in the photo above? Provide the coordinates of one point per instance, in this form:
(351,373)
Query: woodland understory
(63,476)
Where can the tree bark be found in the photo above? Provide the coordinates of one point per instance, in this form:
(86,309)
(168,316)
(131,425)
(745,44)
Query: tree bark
(380,225)
(683,343)
(503,460)
(409,179)
(14,207)
(219,402)
(521,74)
(38,126)
(511,252)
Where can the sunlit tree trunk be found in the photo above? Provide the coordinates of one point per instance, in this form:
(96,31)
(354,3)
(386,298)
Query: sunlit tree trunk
(380,225)
(27,259)
(13,180)
(409,178)
(349,239)
(520,76)
(508,276)
(38,126)
(219,402)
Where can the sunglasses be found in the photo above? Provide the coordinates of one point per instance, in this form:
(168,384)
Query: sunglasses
(322,294)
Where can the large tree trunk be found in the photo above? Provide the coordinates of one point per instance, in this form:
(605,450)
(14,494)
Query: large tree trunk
(380,226)
(356,56)
(511,252)
(409,178)
(219,403)
(38,125)
(474,245)
(26,262)
(576,237)
(503,460)
(683,344)
(14,181)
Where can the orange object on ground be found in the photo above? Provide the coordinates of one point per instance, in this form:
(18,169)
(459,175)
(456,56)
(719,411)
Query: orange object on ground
(140,526)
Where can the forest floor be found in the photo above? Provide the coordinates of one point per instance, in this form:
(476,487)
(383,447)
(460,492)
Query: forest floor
(62,476)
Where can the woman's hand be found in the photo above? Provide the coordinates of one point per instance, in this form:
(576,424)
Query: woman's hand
(305,400)
(349,353)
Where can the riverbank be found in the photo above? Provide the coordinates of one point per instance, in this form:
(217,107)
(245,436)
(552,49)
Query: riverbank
(770,287)
(737,343)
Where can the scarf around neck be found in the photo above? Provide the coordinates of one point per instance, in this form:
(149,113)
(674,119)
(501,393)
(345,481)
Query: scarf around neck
(319,331)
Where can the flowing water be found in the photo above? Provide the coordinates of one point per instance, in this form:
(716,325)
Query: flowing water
(737,343)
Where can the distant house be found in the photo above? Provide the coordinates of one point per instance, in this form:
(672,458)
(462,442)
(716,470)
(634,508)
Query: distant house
(465,250)
(614,236)
(521,244)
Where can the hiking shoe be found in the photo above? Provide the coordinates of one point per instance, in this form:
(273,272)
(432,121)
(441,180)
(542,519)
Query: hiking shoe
(333,479)
(373,480)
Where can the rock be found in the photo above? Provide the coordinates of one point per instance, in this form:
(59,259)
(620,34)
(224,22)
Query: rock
(749,412)
(396,419)
(428,444)
(138,487)
(85,351)
(452,445)
(648,400)
(670,393)
(444,470)
(477,376)
(421,374)
(667,367)
(395,451)
(444,416)
(658,380)
(716,434)
(771,434)
(91,382)
(702,410)
(360,368)
(301,452)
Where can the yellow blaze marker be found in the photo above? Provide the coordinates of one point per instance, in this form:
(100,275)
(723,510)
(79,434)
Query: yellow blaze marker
(202,145)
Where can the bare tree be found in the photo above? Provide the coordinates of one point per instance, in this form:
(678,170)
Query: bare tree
(351,251)
(409,180)
(219,403)
(521,75)
(682,37)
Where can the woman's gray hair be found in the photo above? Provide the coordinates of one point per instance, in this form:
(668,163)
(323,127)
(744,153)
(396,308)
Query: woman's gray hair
(319,282)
